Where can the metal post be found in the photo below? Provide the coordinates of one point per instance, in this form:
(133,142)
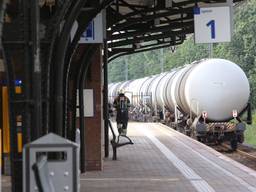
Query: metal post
(210,50)
(60,63)
(78,142)
(126,68)
(230,4)
(105,98)
(162,59)
(36,74)
(2,10)
(48,109)
(176,114)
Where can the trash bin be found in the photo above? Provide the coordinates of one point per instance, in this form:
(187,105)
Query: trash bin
(51,163)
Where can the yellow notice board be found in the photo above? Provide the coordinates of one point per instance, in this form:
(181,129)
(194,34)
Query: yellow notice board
(6,125)
(0,152)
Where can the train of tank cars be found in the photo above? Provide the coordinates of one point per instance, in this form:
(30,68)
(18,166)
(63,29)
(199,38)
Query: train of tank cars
(207,99)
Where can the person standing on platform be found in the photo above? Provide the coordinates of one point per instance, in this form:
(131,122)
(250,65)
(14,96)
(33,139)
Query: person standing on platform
(122,104)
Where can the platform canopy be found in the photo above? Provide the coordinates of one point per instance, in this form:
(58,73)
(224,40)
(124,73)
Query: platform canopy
(141,25)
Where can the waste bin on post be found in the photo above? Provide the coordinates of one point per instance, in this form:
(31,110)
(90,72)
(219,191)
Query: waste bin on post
(51,163)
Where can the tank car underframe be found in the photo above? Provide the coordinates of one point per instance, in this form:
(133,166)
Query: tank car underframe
(212,132)
(221,132)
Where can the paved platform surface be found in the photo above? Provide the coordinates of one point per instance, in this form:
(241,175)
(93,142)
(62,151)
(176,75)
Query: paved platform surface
(164,160)
(5,184)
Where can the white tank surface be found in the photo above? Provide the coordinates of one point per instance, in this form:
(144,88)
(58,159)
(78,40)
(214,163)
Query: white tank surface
(130,90)
(123,86)
(166,84)
(155,90)
(113,90)
(216,86)
(145,94)
(135,88)
(176,94)
(160,89)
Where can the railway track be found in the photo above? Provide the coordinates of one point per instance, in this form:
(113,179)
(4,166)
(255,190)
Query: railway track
(245,155)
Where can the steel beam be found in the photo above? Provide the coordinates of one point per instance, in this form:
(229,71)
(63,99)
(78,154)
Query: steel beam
(52,33)
(142,50)
(130,21)
(60,64)
(37,130)
(150,30)
(149,38)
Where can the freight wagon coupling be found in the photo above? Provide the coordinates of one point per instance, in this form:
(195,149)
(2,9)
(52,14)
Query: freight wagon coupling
(206,99)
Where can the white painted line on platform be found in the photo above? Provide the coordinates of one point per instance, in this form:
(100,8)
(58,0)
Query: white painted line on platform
(199,184)
(219,155)
(228,173)
(132,179)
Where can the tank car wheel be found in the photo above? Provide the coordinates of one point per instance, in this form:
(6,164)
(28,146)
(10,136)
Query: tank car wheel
(233,144)
(193,134)
(240,138)
(201,139)
(188,133)
(219,141)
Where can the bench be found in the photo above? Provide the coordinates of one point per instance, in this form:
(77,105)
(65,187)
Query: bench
(115,142)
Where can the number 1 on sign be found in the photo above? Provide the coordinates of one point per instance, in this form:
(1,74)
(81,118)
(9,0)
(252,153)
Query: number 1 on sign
(211,24)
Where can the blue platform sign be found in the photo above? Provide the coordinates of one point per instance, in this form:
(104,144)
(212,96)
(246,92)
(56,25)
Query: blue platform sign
(89,33)
(94,31)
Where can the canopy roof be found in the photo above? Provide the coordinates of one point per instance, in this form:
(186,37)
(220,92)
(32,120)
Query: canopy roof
(140,25)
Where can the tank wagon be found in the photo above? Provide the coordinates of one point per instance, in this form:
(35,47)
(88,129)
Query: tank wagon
(206,99)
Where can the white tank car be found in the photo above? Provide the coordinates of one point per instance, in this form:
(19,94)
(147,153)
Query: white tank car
(215,86)
(155,90)
(135,89)
(145,92)
(113,89)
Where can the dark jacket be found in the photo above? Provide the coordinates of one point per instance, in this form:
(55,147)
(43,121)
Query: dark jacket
(122,104)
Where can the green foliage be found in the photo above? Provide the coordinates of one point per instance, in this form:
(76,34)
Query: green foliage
(250,132)
(250,135)
(187,53)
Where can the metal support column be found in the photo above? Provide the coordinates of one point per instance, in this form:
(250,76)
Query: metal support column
(37,131)
(105,98)
(60,63)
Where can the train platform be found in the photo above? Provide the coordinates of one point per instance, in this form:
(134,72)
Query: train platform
(164,160)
